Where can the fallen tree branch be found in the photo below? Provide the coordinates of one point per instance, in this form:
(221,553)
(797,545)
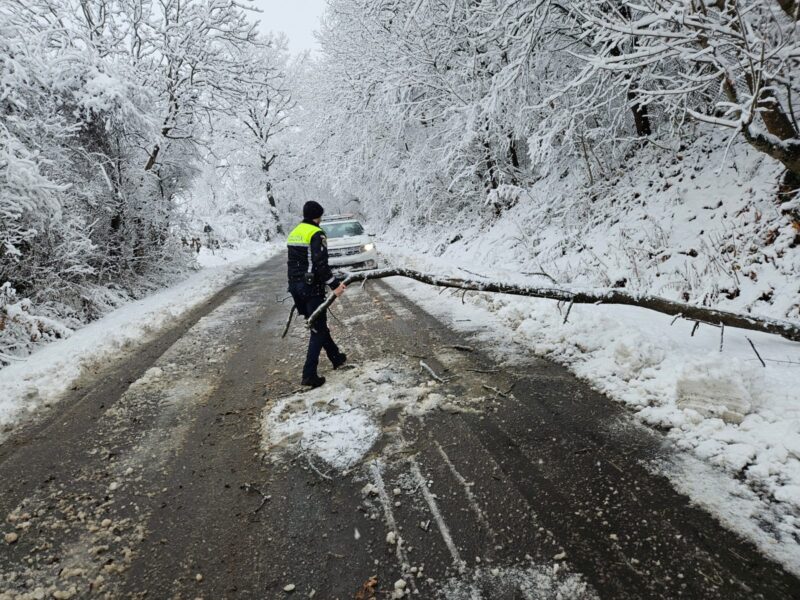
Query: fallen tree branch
(787,329)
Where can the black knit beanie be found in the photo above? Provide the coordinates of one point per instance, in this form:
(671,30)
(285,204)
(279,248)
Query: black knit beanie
(312,210)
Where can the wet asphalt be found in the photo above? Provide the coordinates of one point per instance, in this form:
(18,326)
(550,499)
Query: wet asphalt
(150,480)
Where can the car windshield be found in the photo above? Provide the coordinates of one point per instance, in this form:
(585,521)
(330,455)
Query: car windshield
(342,229)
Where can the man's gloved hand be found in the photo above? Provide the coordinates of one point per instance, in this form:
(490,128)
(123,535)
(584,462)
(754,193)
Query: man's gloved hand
(340,290)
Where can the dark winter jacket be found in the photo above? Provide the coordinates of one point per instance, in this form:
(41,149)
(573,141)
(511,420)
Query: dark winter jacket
(308,253)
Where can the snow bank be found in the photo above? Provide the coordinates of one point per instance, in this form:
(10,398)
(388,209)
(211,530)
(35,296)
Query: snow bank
(723,407)
(41,378)
(694,225)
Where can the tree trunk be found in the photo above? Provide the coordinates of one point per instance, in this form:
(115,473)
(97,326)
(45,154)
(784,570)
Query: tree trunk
(512,151)
(775,118)
(786,329)
(266,163)
(791,8)
(641,118)
(782,143)
(788,190)
(491,182)
(787,152)
(151,161)
(273,208)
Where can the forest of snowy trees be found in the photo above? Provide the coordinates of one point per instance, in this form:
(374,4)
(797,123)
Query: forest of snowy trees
(455,101)
(119,119)
(109,111)
(648,145)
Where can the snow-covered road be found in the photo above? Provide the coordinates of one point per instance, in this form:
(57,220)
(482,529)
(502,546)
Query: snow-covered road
(197,470)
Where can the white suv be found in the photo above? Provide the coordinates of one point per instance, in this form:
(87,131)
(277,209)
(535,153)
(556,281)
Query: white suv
(348,245)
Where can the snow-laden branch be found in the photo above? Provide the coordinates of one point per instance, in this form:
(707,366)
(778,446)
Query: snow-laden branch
(787,329)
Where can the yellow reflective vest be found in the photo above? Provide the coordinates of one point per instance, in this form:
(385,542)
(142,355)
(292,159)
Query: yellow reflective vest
(308,255)
(302,234)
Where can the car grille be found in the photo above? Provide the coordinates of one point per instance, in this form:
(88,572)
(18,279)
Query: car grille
(339,252)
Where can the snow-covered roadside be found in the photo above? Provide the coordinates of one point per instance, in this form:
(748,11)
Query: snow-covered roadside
(723,407)
(41,378)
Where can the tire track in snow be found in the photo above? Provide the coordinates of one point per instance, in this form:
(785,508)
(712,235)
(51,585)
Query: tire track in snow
(444,530)
(473,502)
(391,523)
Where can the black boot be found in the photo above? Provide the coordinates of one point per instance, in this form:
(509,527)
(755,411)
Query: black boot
(340,360)
(314,381)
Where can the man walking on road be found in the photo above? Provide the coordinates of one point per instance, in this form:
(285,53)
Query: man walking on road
(309,273)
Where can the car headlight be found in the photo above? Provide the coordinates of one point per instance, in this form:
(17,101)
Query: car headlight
(368,247)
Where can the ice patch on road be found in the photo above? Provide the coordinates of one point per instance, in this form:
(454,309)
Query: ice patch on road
(341,421)
(534,582)
(336,432)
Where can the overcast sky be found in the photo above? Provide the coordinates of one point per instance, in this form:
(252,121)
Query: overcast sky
(296,18)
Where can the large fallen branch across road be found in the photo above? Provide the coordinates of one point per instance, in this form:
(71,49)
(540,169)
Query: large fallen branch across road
(787,329)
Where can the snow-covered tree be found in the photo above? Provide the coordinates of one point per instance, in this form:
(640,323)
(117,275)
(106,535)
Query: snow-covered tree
(457,107)
(264,111)
(729,63)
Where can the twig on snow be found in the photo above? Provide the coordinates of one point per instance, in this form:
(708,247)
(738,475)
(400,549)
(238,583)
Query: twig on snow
(753,346)
(425,366)
(495,390)
(488,371)
(569,308)
(472,272)
(462,348)
(316,470)
(721,335)
(249,487)
(311,464)
(299,390)
(541,273)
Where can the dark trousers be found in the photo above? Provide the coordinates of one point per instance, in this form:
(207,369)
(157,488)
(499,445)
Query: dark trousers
(307,298)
